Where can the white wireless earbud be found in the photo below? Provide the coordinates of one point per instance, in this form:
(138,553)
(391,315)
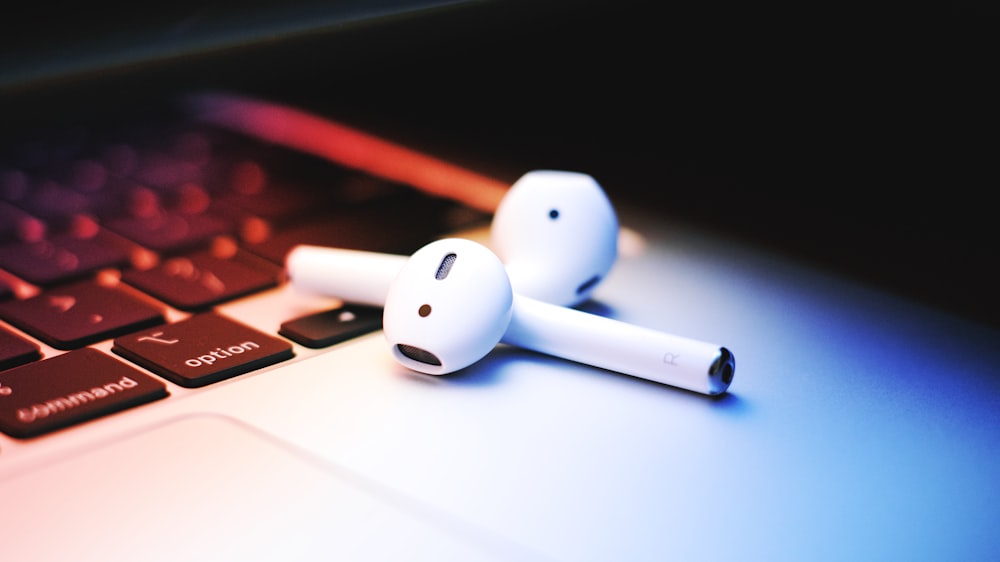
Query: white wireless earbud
(452,302)
(556,232)
(557,235)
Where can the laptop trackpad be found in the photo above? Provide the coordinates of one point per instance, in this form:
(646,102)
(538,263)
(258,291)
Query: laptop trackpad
(210,488)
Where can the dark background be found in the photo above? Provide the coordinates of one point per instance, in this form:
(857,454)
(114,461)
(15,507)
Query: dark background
(863,143)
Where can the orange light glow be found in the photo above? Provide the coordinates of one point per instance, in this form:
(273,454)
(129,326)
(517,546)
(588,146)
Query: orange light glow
(349,147)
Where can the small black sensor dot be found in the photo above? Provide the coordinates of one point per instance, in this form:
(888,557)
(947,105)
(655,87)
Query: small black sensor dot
(553,214)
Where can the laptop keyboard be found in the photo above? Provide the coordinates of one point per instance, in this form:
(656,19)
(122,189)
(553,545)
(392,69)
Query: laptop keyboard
(135,234)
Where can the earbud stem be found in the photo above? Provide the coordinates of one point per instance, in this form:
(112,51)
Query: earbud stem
(350,275)
(617,346)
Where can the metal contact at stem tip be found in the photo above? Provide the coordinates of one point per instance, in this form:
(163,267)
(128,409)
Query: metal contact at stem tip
(722,371)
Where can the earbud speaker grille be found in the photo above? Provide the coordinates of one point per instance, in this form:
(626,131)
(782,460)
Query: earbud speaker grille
(419,355)
(445,267)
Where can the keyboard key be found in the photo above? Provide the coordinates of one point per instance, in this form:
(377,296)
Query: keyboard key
(274,204)
(329,327)
(69,389)
(53,203)
(15,350)
(202,280)
(202,349)
(63,257)
(170,232)
(80,314)
(13,222)
(111,200)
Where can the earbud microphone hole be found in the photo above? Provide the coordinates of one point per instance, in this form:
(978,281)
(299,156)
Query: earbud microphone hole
(554,214)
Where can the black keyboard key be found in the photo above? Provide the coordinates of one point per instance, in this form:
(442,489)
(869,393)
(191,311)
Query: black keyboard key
(329,327)
(274,205)
(80,314)
(202,280)
(14,222)
(171,232)
(63,257)
(113,199)
(202,349)
(163,170)
(15,350)
(53,203)
(69,389)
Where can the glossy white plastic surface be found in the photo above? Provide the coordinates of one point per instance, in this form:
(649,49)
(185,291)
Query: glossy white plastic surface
(439,323)
(351,275)
(557,233)
(617,346)
(457,316)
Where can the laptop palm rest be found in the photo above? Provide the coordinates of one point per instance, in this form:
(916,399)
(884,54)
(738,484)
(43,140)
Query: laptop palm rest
(249,496)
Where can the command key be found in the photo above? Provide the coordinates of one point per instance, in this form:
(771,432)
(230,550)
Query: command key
(68,389)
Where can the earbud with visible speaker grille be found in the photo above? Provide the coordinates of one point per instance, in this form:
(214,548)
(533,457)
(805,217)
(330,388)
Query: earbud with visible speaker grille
(452,303)
(555,231)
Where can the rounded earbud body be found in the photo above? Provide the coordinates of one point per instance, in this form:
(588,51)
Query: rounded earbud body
(445,306)
(438,323)
(556,233)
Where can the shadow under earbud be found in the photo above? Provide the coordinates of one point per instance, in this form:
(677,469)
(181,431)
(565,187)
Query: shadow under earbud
(732,404)
(597,308)
(488,370)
